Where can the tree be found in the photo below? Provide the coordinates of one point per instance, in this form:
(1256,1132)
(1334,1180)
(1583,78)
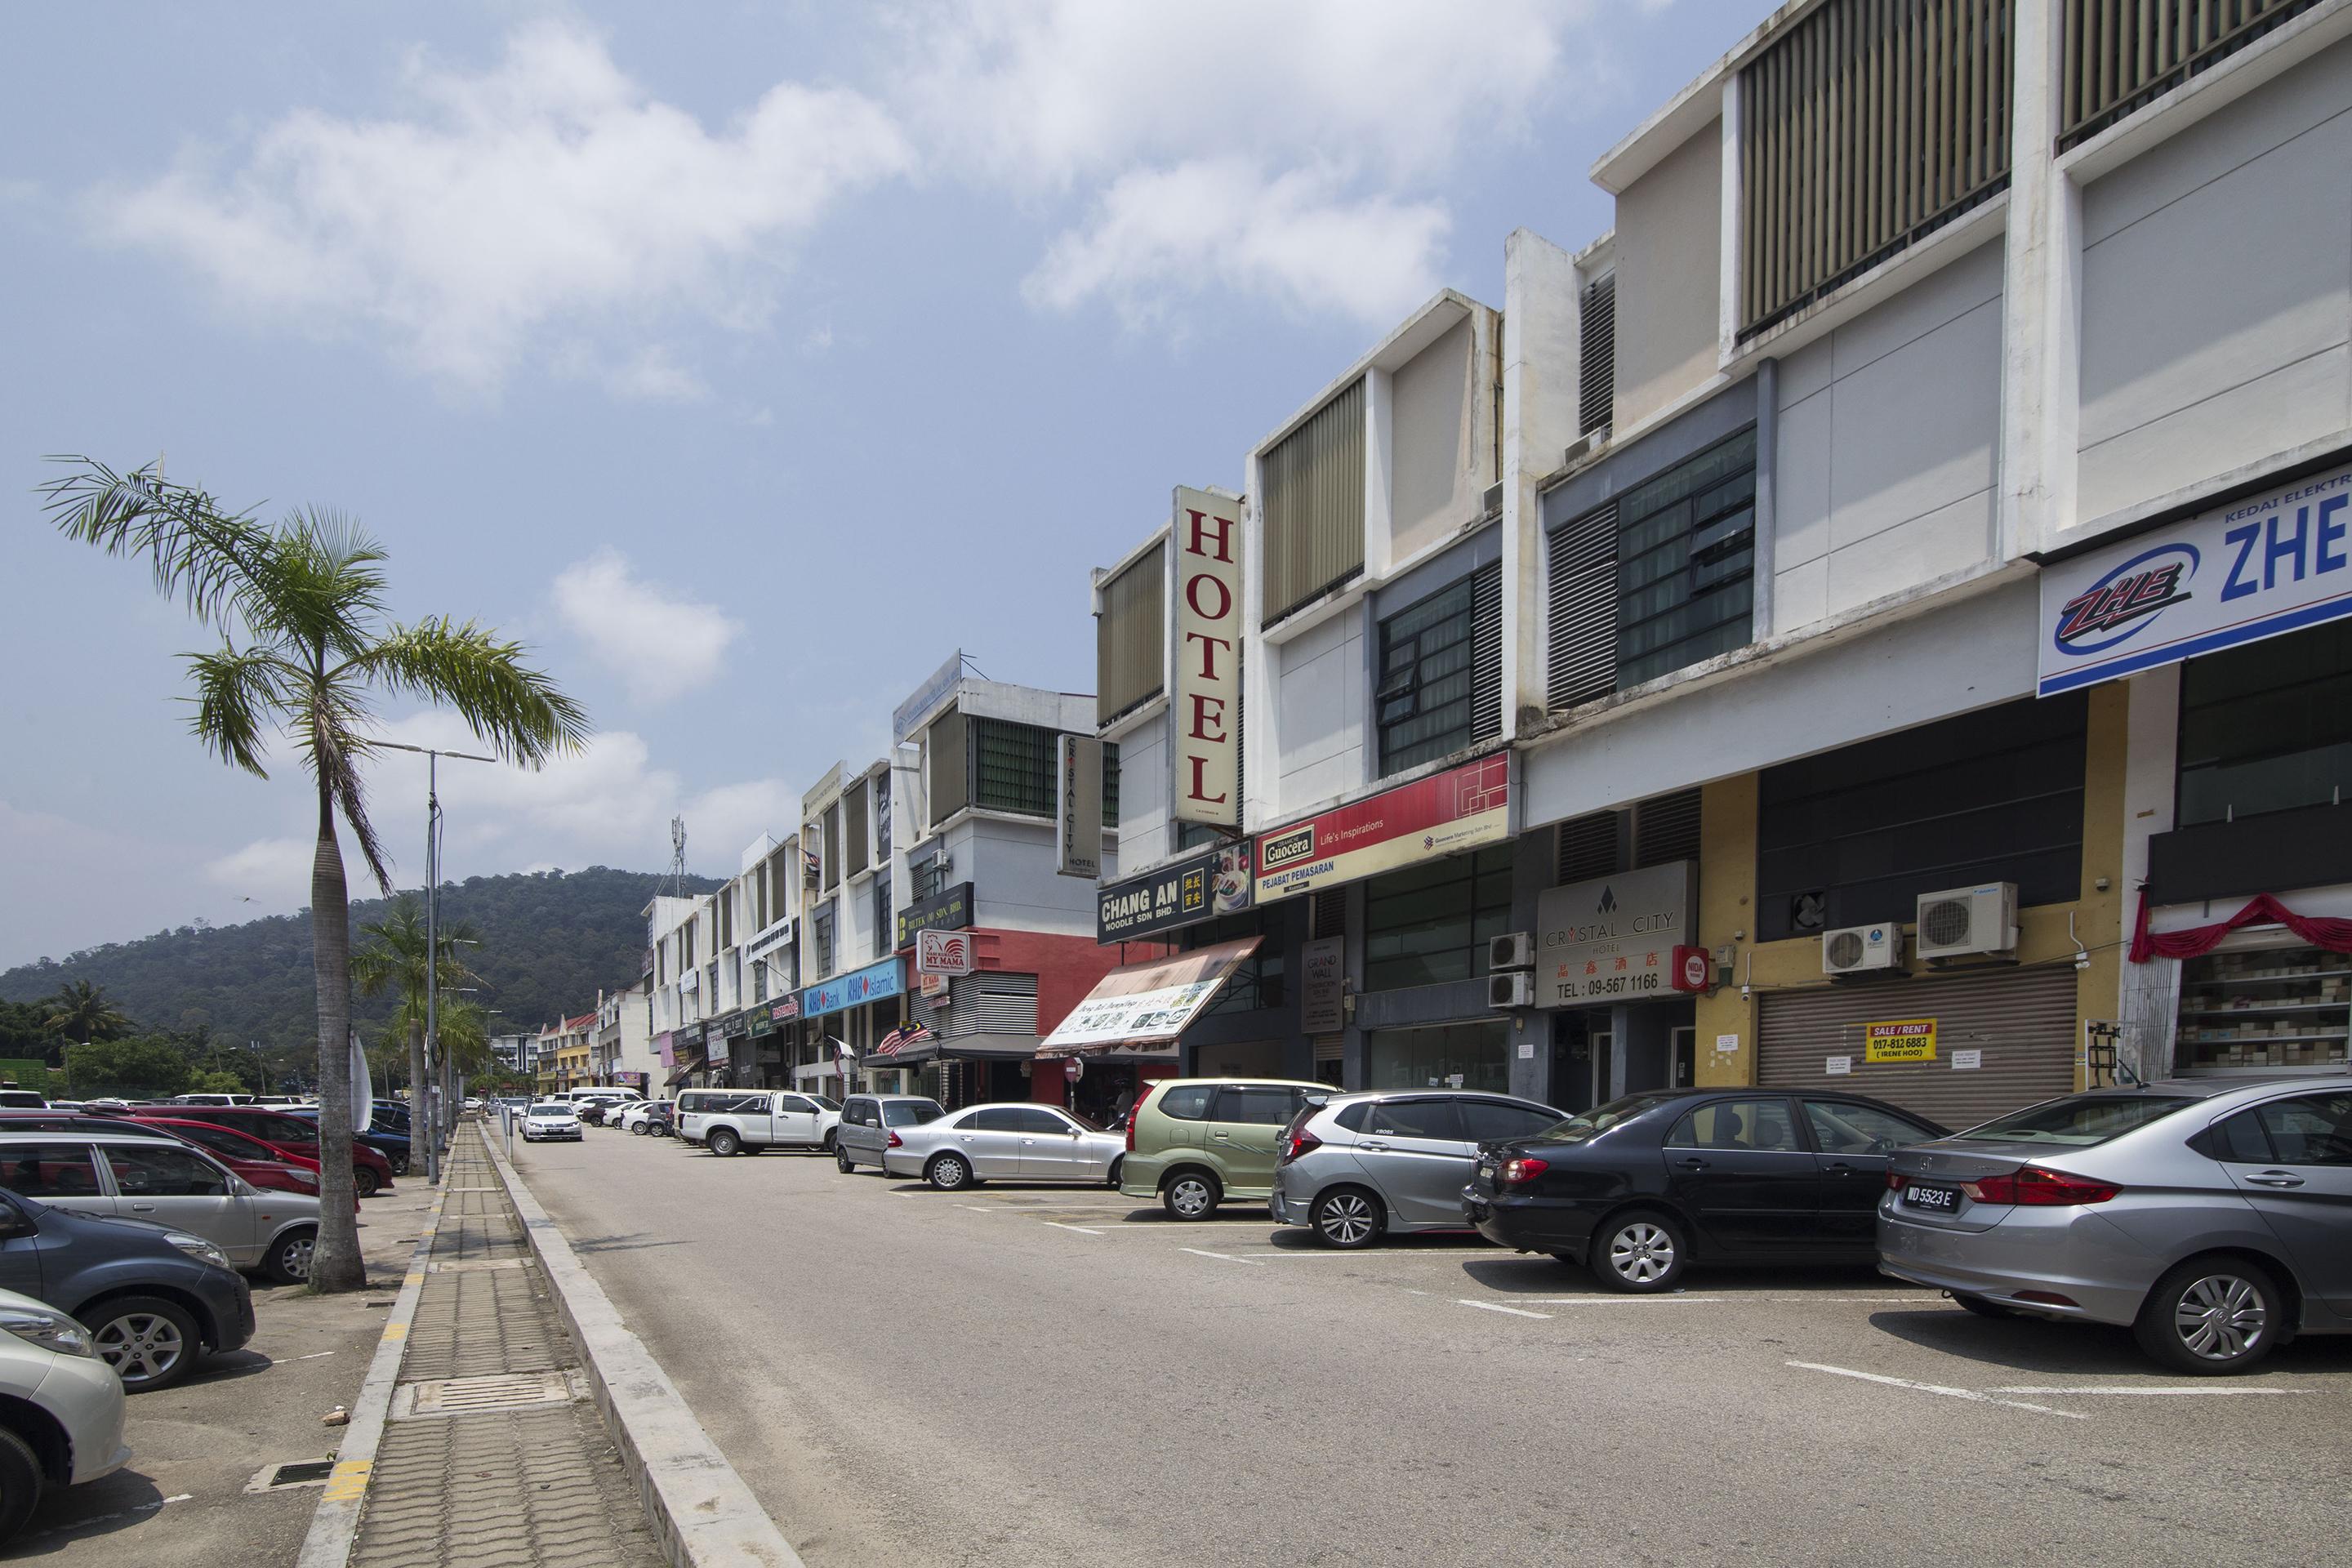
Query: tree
(141,1069)
(214,1082)
(80,1011)
(307,649)
(395,960)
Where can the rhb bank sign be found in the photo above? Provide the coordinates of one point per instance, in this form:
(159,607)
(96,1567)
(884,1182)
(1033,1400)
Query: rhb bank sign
(2249,569)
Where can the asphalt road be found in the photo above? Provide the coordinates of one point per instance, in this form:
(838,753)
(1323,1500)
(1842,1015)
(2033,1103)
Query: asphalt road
(1020,1375)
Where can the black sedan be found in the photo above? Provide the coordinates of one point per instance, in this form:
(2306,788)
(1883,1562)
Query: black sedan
(1646,1185)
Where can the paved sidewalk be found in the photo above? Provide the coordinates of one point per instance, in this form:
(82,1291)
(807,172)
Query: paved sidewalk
(490,1457)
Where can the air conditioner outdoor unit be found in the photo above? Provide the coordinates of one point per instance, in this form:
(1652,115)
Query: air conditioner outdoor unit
(1517,990)
(1512,950)
(1962,921)
(1852,950)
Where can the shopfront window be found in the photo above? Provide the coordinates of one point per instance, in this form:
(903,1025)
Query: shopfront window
(1431,925)
(2267,727)
(1257,981)
(2265,1008)
(1453,1056)
(1424,679)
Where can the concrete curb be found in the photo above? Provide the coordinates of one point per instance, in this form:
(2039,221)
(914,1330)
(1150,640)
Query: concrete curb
(336,1523)
(701,1511)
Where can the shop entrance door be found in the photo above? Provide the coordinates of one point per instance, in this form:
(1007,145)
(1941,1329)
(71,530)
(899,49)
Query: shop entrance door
(1581,1044)
(1685,1054)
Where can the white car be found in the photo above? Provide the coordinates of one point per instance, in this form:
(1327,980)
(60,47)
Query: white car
(637,1118)
(746,1120)
(48,1368)
(550,1120)
(1017,1142)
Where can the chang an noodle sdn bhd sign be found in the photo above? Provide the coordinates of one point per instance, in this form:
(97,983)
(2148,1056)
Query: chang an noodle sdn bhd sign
(2249,569)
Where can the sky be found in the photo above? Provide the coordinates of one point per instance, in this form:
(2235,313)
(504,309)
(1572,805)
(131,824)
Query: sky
(744,361)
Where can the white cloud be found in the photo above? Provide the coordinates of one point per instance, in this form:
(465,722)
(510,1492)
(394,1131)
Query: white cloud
(275,874)
(548,192)
(659,644)
(1161,235)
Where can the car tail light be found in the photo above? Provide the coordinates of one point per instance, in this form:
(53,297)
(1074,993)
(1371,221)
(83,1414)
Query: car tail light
(1135,1114)
(897,1142)
(2034,1187)
(1301,1143)
(1520,1168)
(1896,1181)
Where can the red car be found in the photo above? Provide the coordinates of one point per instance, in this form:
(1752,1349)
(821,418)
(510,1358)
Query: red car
(290,1136)
(248,1156)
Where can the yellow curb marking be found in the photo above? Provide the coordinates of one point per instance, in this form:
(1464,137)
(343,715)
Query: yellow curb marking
(349,1481)
(412,1278)
(395,1332)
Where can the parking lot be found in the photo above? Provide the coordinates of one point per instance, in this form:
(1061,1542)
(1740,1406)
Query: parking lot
(1041,1375)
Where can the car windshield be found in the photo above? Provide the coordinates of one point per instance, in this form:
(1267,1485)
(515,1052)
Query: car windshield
(551,1108)
(2078,1121)
(1089,1122)
(827,1104)
(907,1113)
(1591,1124)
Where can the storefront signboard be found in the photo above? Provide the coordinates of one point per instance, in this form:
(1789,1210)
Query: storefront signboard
(1215,882)
(1613,939)
(1900,1041)
(789,1007)
(927,696)
(944,953)
(718,1053)
(1837,1067)
(662,1049)
(1445,814)
(873,983)
(1205,708)
(1321,965)
(1078,806)
(2239,573)
(950,909)
(1147,1004)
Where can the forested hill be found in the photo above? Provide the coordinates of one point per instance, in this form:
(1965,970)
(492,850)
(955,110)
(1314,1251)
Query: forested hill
(549,939)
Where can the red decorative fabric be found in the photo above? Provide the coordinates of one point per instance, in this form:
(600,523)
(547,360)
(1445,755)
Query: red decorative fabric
(2329,935)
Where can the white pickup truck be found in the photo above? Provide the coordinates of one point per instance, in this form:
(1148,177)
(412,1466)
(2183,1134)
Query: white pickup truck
(746,1120)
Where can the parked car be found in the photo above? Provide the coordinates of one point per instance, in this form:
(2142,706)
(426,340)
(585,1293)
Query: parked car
(61,1408)
(868,1121)
(154,1300)
(1023,1142)
(550,1120)
(637,1117)
(24,1099)
(746,1120)
(1194,1143)
(1357,1167)
(168,1184)
(249,1157)
(389,1141)
(2214,1218)
(283,1131)
(211,1099)
(1641,1188)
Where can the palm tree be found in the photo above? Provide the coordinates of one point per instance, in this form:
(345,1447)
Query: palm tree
(79,1012)
(394,959)
(307,648)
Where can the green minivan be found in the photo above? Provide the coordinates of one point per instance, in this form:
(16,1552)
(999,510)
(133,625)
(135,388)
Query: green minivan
(1194,1143)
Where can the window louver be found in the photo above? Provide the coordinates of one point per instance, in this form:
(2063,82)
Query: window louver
(2120,59)
(1666,829)
(1314,506)
(1597,382)
(1584,608)
(1130,637)
(1487,653)
(1588,848)
(992,1004)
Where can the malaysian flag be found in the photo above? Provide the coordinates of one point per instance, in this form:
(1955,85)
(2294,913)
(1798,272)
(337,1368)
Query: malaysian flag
(898,1039)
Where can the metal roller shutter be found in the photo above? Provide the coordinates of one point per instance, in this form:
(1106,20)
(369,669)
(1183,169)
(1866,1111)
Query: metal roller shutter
(2023,1020)
(1330,1047)
(990,1002)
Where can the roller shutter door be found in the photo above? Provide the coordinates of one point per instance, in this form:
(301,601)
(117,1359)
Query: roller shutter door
(2021,1020)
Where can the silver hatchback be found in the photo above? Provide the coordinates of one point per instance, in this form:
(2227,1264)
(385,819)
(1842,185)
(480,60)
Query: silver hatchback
(2214,1219)
(1361,1166)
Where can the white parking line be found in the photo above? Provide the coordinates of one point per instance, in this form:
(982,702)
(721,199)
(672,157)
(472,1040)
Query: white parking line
(978,1208)
(1968,1394)
(1498,1307)
(1619,1301)
(2197,1388)
(1082,1230)
(1220,1257)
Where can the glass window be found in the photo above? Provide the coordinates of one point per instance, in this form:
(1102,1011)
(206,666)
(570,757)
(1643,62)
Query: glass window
(968,1123)
(2282,1007)
(1756,1126)
(911,1112)
(2078,1121)
(280,1129)
(1685,546)
(1111,783)
(49,1169)
(1841,1127)
(1257,981)
(1493,1121)
(1422,697)
(1002,1118)
(1013,767)
(1455,1055)
(1256,1106)
(2315,1130)
(1352,1117)
(2237,1138)
(1432,923)
(2267,727)
(1036,1118)
(157,1172)
(793,1105)
(1416,1119)
(1190,1103)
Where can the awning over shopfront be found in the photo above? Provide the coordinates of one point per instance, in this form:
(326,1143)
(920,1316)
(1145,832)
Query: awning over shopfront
(1139,1011)
(691,1061)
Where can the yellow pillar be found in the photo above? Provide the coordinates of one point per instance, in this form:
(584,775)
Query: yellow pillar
(1727,917)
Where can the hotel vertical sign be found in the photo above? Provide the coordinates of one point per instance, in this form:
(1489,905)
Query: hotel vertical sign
(1204,710)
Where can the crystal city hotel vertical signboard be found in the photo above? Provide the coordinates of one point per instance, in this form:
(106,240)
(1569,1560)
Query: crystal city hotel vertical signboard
(1204,712)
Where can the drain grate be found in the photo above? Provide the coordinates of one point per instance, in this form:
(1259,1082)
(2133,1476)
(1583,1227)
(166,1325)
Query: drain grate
(302,1473)
(466,1395)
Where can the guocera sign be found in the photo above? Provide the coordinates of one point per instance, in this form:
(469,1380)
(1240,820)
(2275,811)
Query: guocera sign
(2252,569)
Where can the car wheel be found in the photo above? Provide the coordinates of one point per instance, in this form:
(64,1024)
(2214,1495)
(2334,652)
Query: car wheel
(1192,1195)
(948,1172)
(399,1164)
(723,1144)
(150,1343)
(1118,1171)
(2210,1316)
(843,1162)
(20,1483)
(827,1144)
(1347,1218)
(639,1129)
(289,1262)
(1639,1253)
(1983,1306)
(363,1181)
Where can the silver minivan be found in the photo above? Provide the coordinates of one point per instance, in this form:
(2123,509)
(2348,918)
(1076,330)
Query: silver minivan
(165,1183)
(866,1120)
(1361,1166)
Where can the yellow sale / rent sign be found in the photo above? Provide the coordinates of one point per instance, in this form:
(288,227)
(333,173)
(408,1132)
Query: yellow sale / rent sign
(1900,1041)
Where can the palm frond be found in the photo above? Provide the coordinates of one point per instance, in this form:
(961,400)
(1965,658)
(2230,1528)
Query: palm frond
(319,586)
(334,749)
(241,695)
(516,711)
(199,553)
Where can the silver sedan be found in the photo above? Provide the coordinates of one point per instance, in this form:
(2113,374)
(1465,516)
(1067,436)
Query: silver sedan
(1020,1142)
(2212,1217)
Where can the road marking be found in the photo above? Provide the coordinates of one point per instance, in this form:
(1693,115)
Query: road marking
(395,1332)
(977,1208)
(1618,1300)
(1948,1393)
(1497,1307)
(349,1481)
(1296,1252)
(1082,1230)
(2200,1388)
(314,1355)
(1220,1257)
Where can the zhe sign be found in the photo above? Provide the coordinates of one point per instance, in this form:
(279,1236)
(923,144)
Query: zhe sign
(1204,710)
(944,953)
(1617,939)
(2249,569)
(1445,814)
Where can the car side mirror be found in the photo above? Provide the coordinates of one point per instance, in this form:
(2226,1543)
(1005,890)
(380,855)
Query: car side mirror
(14,1222)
